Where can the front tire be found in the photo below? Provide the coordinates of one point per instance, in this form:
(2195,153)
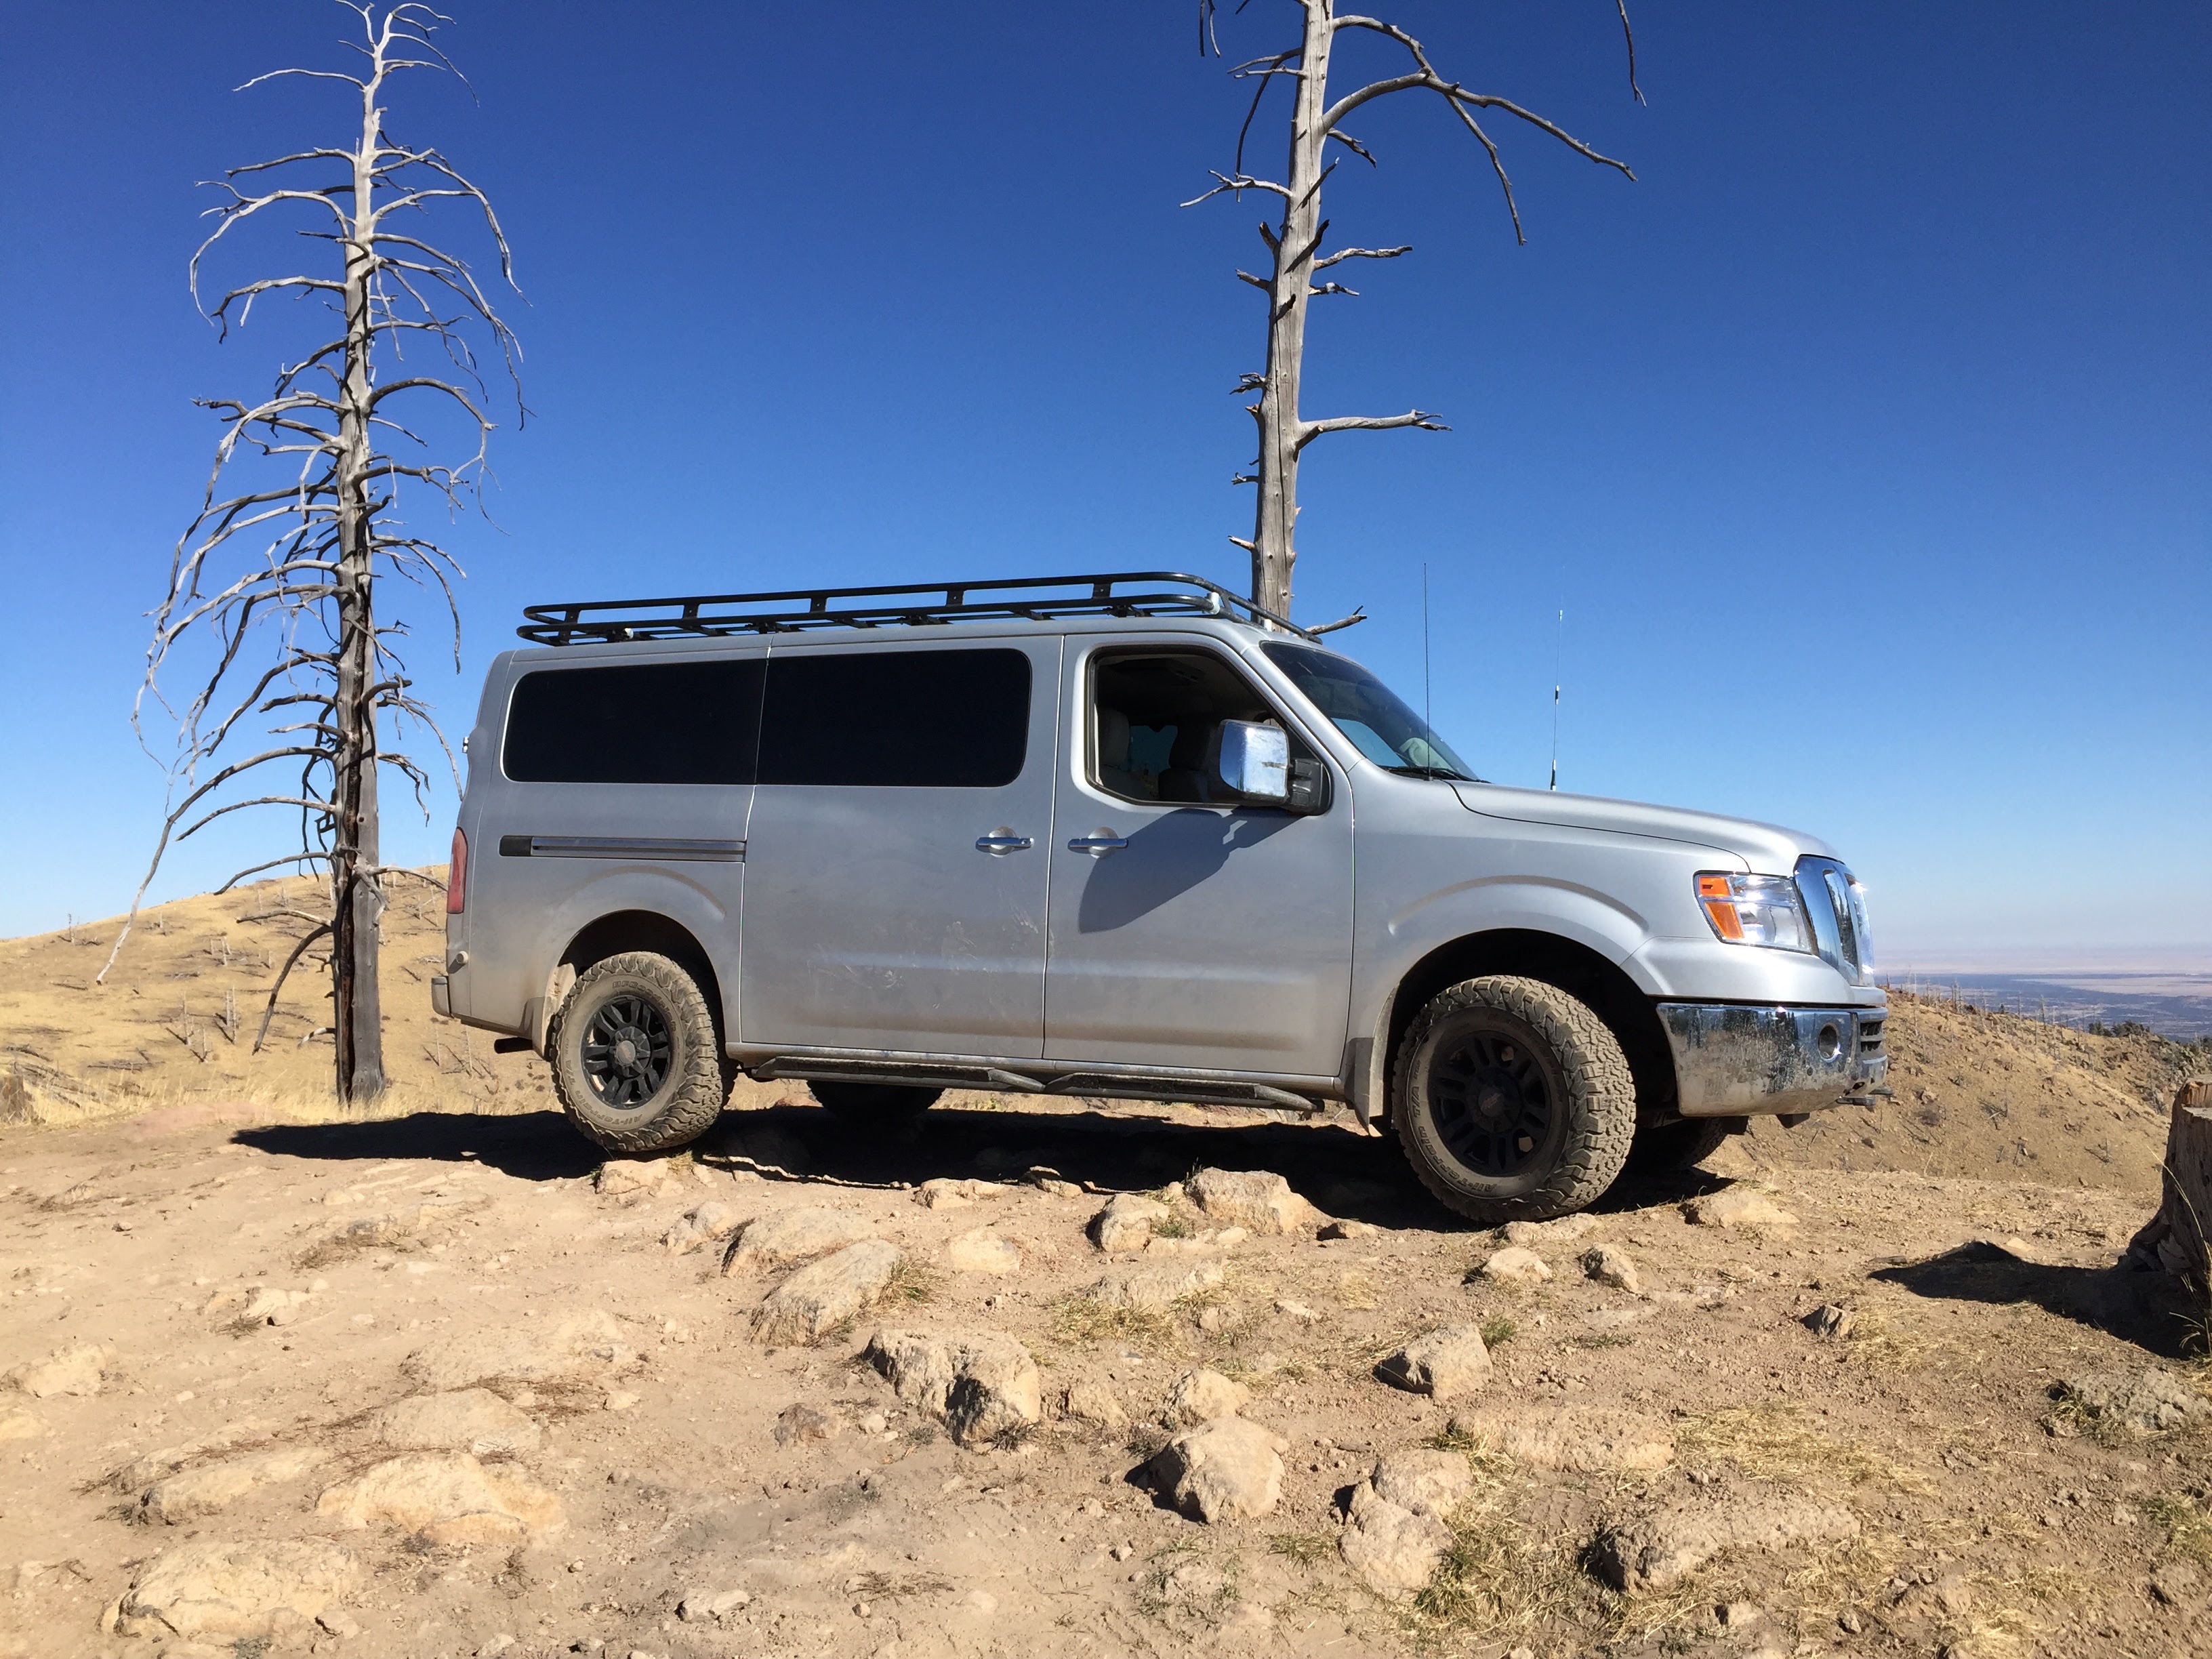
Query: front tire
(1513,1100)
(637,1063)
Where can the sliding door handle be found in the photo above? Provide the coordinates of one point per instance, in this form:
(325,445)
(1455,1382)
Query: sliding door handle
(1001,841)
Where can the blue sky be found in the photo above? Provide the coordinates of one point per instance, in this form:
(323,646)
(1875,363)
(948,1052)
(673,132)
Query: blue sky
(1864,440)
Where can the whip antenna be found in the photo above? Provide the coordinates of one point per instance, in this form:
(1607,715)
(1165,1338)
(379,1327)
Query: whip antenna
(1428,726)
(1558,657)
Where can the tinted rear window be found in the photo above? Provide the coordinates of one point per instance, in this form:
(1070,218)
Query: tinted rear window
(897,719)
(652,722)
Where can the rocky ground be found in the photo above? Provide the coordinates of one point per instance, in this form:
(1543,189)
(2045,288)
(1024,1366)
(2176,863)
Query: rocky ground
(441,1384)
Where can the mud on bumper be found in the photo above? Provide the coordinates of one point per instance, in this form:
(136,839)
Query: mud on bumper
(1735,1061)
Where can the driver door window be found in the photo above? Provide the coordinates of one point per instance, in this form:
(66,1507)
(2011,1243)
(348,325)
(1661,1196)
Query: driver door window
(1156,725)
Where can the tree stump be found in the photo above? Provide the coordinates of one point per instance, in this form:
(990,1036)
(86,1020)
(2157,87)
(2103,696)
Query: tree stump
(2175,1239)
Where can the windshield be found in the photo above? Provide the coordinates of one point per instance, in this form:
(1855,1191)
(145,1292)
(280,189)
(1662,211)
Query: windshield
(1368,713)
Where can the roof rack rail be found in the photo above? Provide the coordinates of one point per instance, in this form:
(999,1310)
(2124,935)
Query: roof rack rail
(1029,598)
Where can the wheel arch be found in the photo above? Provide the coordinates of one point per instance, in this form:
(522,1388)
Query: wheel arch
(621,931)
(1572,967)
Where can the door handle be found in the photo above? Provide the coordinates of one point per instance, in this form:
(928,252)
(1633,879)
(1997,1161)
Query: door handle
(999,842)
(1098,845)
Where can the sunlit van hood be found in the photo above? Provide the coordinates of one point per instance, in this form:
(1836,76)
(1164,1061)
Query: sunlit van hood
(1763,847)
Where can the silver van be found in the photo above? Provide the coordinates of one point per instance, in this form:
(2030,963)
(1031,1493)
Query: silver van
(1125,837)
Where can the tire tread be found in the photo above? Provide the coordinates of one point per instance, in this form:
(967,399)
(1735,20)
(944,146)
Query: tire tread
(1602,1106)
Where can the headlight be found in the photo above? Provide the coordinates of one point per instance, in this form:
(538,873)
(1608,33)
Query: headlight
(1755,910)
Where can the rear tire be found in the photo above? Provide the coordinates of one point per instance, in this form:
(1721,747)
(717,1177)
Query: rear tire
(1667,1148)
(885,1104)
(637,1063)
(1512,1100)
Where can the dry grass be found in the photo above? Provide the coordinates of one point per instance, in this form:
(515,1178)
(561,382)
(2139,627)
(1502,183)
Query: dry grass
(173,1025)
(2186,1517)
(1084,1321)
(1775,1442)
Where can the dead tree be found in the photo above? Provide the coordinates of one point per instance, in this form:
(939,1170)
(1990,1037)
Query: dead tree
(272,608)
(1294,243)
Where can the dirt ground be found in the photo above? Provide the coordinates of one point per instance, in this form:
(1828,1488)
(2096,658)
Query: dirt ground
(436,1382)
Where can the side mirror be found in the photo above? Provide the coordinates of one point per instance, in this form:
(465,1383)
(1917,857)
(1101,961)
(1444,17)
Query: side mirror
(1256,761)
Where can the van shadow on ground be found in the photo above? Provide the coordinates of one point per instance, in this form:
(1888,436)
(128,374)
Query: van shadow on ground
(2146,1309)
(1357,1176)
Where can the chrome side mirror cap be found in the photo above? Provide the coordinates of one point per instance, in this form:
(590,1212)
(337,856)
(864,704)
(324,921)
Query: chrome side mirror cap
(1256,761)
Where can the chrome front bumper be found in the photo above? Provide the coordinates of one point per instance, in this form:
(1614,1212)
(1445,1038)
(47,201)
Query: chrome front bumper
(1732,1062)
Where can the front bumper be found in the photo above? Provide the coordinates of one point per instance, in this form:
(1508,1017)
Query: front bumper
(1735,1061)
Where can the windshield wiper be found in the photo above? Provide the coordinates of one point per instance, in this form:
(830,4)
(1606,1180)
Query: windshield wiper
(1442,774)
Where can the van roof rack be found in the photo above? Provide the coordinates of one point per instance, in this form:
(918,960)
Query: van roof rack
(1029,598)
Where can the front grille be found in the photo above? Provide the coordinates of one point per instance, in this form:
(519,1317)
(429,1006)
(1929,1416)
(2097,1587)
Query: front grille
(1837,913)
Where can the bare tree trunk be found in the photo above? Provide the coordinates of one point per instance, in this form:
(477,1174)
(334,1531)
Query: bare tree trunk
(1274,528)
(1295,243)
(320,518)
(357,1028)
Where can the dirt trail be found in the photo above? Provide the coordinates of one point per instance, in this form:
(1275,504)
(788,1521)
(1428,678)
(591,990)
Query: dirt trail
(438,1383)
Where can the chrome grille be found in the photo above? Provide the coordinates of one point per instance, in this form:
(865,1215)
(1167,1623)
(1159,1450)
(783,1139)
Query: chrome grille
(1836,906)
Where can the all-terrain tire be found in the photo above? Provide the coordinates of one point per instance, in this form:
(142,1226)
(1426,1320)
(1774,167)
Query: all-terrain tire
(885,1105)
(1512,1100)
(1665,1148)
(637,1063)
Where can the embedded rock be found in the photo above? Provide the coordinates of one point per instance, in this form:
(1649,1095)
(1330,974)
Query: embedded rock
(814,1301)
(448,1497)
(1661,1549)
(473,1420)
(1126,1223)
(980,1383)
(1832,1319)
(790,1237)
(2148,1401)
(1514,1265)
(1341,1229)
(527,1354)
(79,1370)
(1200,1395)
(1737,1206)
(1608,1266)
(984,1251)
(1578,1439)
(1422,1480)
(1449,1361)
(235,1593)
(1093,1402)
(1256,1200)
(1565,1230)
(946,1193)
(711,1221)
(1158,1283)
(1394,1549)
(214,1486)
(619,1177)
(1228,1469)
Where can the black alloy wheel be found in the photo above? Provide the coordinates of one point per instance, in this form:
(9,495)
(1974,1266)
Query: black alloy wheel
(1494,1100)
(626,1052)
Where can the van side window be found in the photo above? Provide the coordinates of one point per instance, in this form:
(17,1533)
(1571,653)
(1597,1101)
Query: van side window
(912,720)
(648,722)
(1155,723)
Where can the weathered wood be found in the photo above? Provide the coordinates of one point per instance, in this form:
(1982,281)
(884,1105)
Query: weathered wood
(2175,1239)
(1294,248)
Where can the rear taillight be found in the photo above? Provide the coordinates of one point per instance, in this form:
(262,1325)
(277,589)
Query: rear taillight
(457,879)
